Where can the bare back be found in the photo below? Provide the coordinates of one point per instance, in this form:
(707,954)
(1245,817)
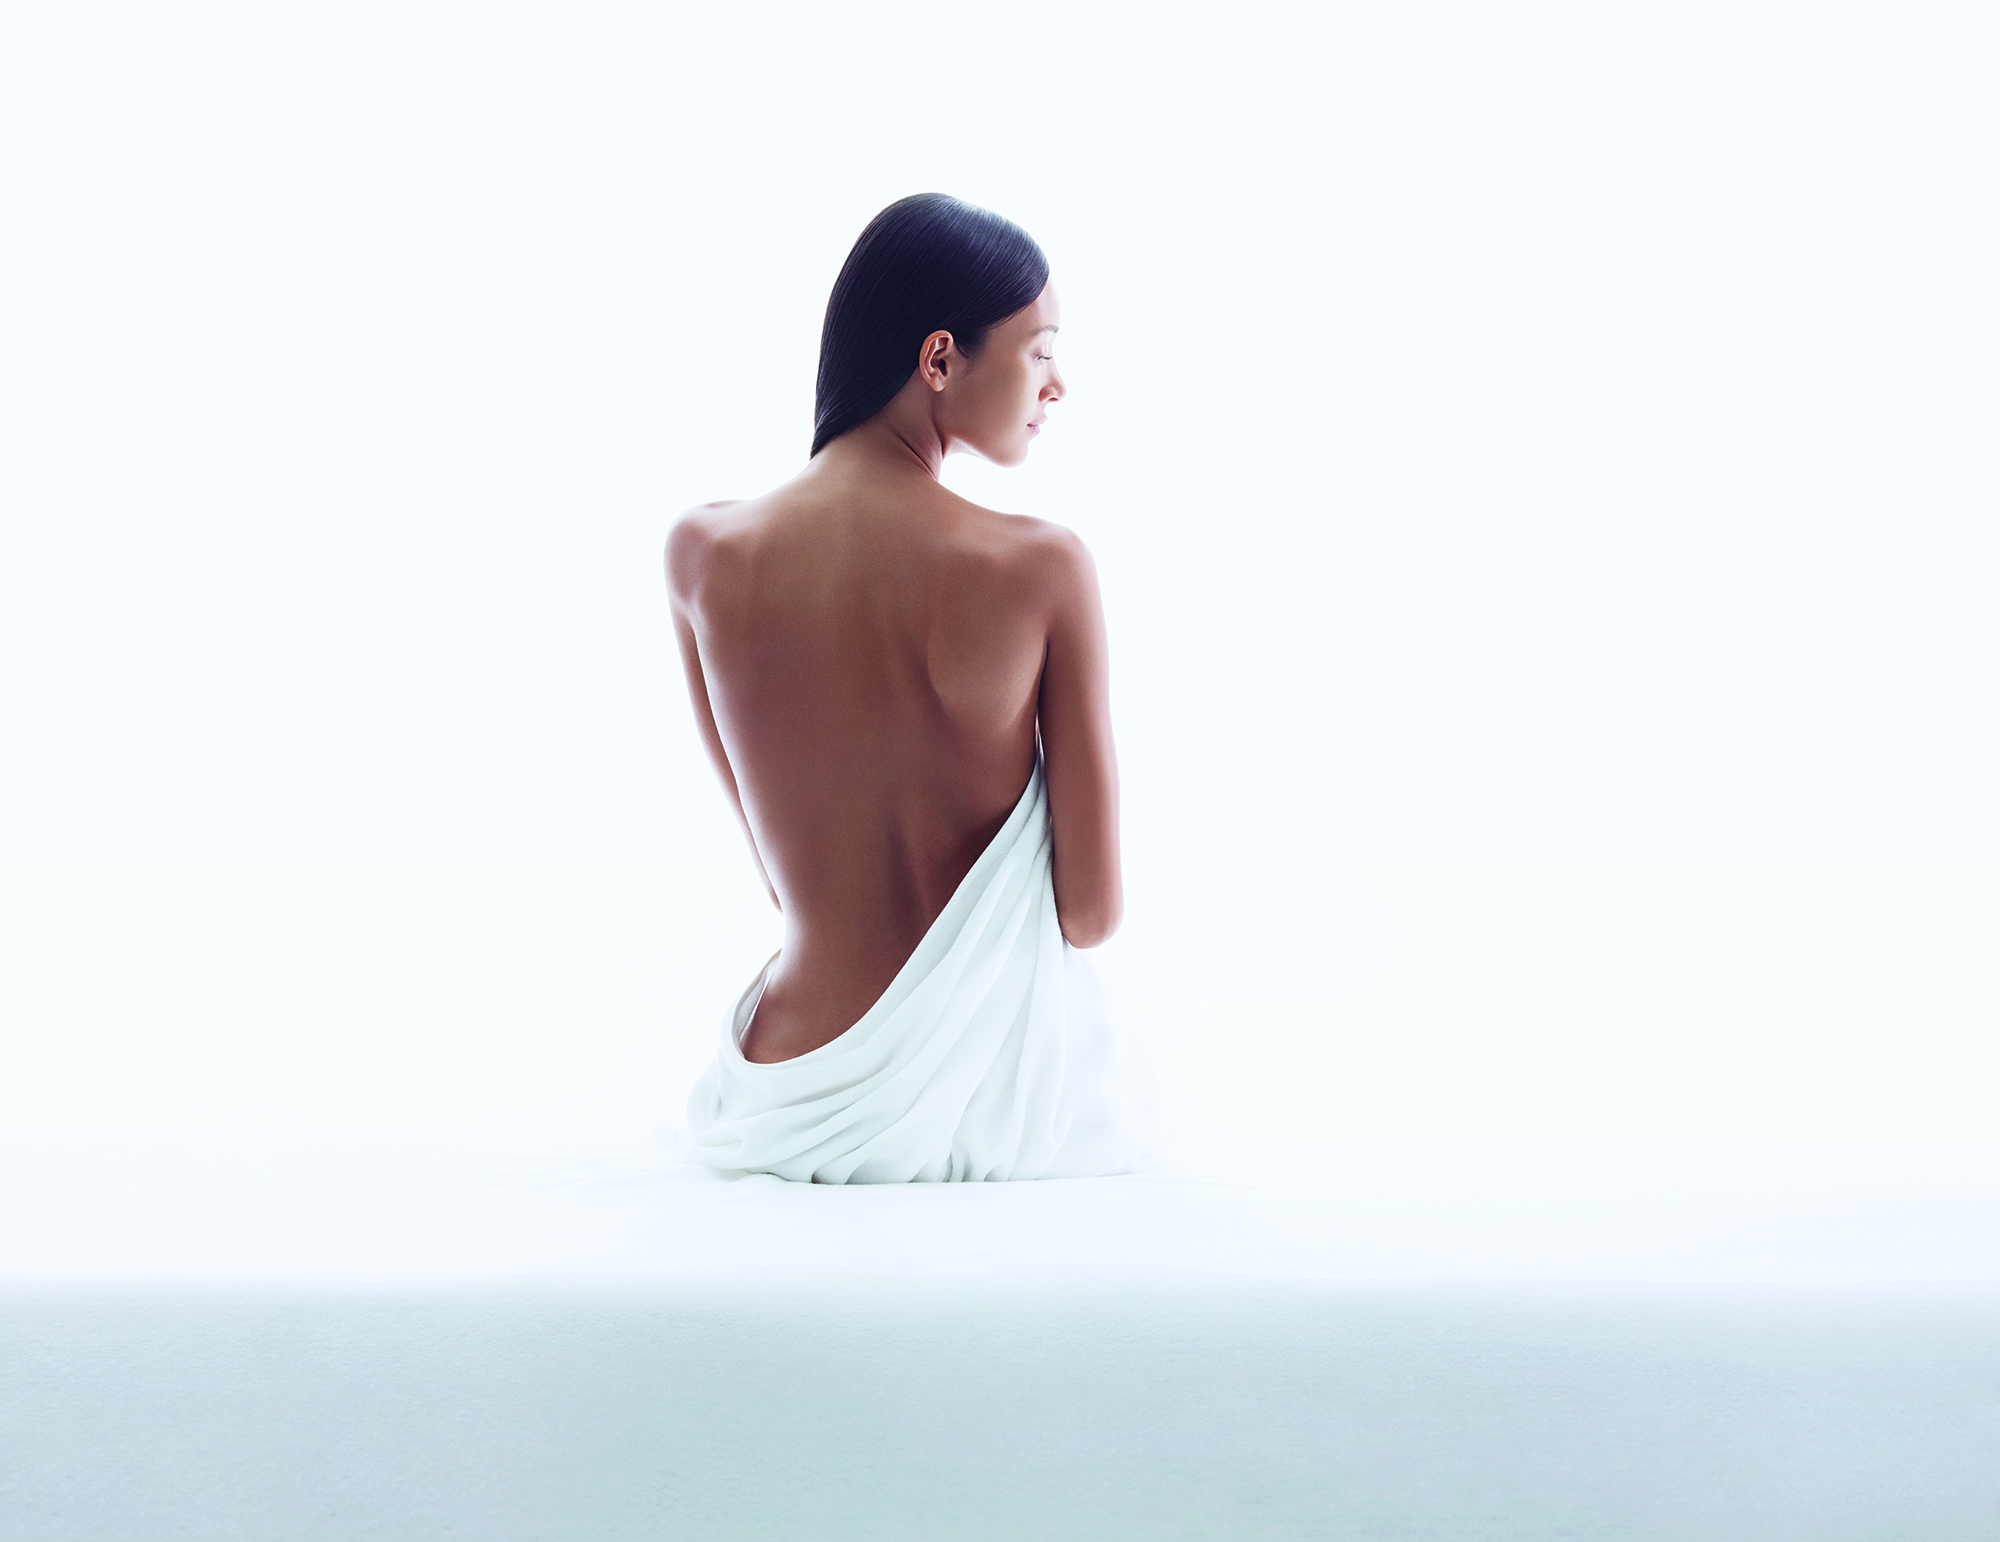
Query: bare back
(871,660)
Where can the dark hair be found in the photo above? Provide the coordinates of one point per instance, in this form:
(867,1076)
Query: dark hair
(925,264)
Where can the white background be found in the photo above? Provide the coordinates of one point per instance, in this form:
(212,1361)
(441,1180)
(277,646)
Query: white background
(1541,464)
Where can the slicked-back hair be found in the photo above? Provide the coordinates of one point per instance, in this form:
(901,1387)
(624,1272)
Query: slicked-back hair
(927,263)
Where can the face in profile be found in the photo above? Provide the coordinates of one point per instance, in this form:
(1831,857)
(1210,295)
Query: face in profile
(996,405)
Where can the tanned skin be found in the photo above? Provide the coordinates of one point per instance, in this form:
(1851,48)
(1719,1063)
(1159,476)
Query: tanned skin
(871,658)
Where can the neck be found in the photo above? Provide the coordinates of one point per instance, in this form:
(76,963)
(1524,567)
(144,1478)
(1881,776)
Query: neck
(895,439)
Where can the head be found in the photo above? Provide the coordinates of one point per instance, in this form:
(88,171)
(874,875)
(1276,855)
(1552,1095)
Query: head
(949,306)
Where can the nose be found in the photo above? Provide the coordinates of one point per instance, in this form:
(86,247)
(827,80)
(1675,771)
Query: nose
(1054,390)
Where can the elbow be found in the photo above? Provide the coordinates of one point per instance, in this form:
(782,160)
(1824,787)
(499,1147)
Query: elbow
(1090,905)
(1091,927)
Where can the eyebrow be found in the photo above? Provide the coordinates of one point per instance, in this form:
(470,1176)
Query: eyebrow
(1050,328)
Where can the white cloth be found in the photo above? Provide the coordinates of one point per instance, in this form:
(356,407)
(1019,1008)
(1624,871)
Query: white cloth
(994,1054)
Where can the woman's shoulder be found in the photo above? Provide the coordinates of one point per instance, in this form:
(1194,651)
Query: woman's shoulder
(692,540)
(1020,536)
(1038,559)
(704,519)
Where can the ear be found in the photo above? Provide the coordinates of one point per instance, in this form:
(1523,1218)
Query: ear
(935,359)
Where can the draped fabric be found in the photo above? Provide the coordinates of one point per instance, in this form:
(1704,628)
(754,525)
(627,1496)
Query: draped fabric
(994,1054)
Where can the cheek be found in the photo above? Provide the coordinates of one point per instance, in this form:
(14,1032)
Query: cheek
(1009,390)
(1007,397)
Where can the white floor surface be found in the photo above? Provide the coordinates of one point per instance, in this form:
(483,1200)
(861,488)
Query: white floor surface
(558,1338)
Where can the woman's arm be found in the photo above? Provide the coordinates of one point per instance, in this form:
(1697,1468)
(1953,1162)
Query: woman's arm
(683,565)
(1077,755)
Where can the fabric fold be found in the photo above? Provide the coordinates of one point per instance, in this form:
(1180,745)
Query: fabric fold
(994,1054)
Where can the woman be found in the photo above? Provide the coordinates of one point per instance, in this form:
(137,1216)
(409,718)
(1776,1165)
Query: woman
(905,695)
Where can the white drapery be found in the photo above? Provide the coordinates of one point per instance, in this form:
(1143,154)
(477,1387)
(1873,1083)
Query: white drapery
(994,1054)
